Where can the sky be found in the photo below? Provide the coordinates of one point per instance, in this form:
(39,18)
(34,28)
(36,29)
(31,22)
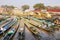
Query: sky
(19,3)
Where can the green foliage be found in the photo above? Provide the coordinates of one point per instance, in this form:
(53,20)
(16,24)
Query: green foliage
(24,7)
(6,6)
(39,6)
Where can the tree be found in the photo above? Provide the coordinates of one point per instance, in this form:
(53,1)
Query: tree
(39,6)
(25,7)
(8,9)
(6,6)
(56,7)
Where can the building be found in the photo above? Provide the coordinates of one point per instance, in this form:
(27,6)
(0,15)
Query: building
(1,10)
(16,11)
